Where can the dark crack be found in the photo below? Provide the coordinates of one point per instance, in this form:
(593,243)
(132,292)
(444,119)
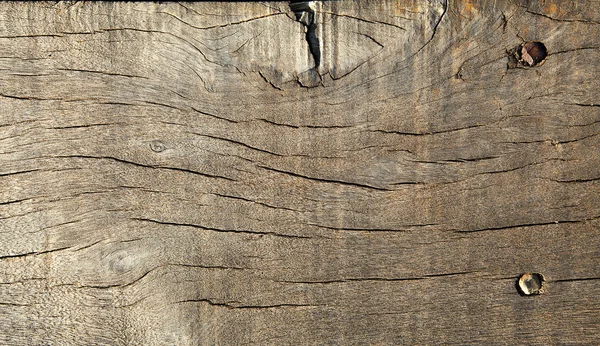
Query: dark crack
(574,279)
(237,305)
(137,164)
(179,224)
(538,224)
(371,279)
(32,253)
(305,14)
(324,180)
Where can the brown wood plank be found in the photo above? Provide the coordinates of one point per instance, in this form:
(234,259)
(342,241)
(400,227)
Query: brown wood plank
(183,173)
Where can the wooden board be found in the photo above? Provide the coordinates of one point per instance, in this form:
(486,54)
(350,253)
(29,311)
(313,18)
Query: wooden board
(185,173)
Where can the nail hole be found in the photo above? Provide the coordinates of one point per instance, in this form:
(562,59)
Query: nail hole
(532,53)
(531,284)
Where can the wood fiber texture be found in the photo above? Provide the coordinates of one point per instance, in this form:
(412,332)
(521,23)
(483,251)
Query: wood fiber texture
(183,173)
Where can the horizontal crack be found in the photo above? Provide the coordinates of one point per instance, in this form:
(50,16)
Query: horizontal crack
(235,305)
(220,229)
(525,225)
(33,253)
(323,180)
(115,159)
(367,279)
(575,279)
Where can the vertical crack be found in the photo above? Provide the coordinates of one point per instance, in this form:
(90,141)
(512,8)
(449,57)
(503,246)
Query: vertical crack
(305,14)
(312,39)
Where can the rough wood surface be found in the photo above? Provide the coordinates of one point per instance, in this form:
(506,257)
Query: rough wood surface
(182,174)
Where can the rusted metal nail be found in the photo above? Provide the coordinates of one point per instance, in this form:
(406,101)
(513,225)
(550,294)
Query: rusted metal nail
(531,284)
(532,53)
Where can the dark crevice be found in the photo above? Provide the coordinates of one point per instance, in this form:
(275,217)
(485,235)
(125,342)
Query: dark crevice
(208,267)
(87,246)
(236,305)
(324,180)
(525,225)
(527,10)
(238,143)
(85,126)
(139,279)
(367,279)
(448,274)
(583,105)
(31,36)
(119,285)
(168,223)
(364,20)
(313,40)
(222,25)
(306,15)
(101,72)
(29,98)
(14,304)
(58,225)
(278,124)
(137,164)
(33,253)
(372,39)
(268,81)
(575,180)
(256,202)
(435,27)
(573,50)
(15,201)
(575,279)
(359,229)
(214,116)
(428,133)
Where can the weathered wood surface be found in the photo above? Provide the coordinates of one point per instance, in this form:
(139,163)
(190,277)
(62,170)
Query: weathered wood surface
(180,174)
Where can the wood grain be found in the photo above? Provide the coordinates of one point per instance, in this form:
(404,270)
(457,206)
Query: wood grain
(186,174)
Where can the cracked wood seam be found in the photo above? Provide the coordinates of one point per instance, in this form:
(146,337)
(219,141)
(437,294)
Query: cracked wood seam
(214,174)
